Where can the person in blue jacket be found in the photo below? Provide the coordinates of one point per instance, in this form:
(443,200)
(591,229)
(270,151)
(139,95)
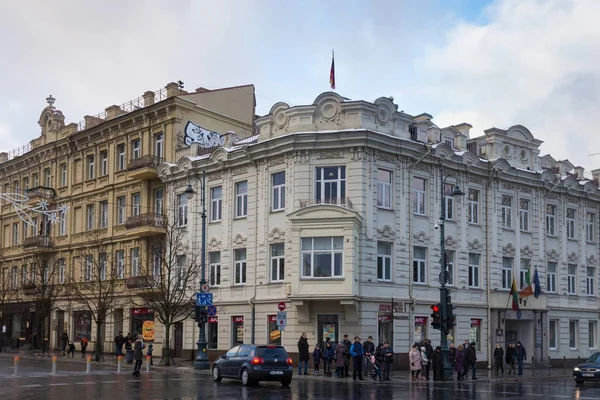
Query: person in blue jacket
(520,355)
(357,353)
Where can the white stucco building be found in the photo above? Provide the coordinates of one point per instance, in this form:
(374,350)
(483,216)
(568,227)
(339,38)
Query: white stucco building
(332,207)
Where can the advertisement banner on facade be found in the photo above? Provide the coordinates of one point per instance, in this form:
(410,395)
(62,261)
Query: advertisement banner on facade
(329,331)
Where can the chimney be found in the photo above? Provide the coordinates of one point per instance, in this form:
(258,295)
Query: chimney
(229,139)
(464,128)
(148,98)
(202,90)
(579,172)
(113,112)
(595,175)
(3,157)
(172,89)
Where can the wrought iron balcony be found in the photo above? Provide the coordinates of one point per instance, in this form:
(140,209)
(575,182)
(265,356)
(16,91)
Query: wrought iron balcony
(146,220)
(341,202)
(38,241)
(141,282)
(40,193)
(147,161)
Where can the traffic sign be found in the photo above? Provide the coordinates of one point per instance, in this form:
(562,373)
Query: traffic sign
(211,310)
(281,306)
(204,287)
(204,299)
(282,315)
(281,320)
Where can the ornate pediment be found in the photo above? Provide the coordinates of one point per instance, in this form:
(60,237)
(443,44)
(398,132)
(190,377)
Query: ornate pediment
(526,252)
(573,257)
(553,255)
(475,246)
(422,238)
(509,250)
(240,240)
(276,234)
(592,260)
(214,244)
(387,233)
(451,243)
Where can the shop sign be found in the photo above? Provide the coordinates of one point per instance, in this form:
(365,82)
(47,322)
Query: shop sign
(385,307)
(475,322)
(238,320)
(213,320)
(420,320)
(272,318)
(142,311)
(384,318)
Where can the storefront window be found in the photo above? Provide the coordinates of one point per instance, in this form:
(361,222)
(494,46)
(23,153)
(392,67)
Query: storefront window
(142,321)
(476,333)
(213,332)
(385,328)
(420,329)
(274,332)
(83,325)
(328,327)
(237,329)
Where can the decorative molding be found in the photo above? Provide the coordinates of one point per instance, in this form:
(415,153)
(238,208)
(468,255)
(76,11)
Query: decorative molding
(475,179)
(592,260)
(300,157)
(276,234)
(330,155)
(451,242)
(422,238)
(240,240)
(214,243)
(422,167)
(475,246)
(387,158)
(525,190)
(552,196)
(526,252)
(553,255)
(239,171)
(509,250)
(277,161)
(215,176)
(573,257)
(508,186)
(386,233)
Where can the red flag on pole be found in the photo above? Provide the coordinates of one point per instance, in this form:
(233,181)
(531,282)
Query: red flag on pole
(332,71)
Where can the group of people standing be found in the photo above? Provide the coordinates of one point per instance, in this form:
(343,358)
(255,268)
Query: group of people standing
(133,349)
(515,355)
(376,361)
(66,343)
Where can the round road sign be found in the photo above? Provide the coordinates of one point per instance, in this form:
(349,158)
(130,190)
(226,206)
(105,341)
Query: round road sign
(281,306)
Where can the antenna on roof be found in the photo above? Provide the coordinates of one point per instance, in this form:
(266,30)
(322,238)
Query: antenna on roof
(180,84)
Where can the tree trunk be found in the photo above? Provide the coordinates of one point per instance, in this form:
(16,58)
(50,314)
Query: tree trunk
(99,344)
(167,349)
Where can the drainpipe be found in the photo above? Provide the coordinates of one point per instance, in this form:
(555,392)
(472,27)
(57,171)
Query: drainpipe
(487,256)
(253,299)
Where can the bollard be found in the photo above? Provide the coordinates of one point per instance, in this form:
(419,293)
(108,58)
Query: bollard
(16,365)
(88,367)
(564,363)
(119,363)
(54,365)
(148,363)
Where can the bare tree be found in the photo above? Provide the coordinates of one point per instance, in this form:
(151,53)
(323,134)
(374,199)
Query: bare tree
(168,282)
(8,293)
(96,288)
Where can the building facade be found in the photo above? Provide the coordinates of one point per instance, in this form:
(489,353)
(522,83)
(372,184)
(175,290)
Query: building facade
(334,209)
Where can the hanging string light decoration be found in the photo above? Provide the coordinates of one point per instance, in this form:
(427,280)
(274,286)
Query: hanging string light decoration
(25,212)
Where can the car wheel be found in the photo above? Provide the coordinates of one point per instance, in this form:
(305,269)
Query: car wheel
(579,381)
(286,382)
(246,378)
(216,374)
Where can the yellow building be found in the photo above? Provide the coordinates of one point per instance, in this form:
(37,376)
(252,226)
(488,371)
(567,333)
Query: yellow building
(104,170)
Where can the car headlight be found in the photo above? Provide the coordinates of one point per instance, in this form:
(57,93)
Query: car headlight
(576,369)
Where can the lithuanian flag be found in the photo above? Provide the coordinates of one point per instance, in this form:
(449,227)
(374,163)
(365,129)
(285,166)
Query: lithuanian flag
(515,298)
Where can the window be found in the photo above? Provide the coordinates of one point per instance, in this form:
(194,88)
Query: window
(15,234)
(474,270)
(590,281)
(241,199)
(278,200)
(589,227)
(89,265)
(62,225)
(182,210)
(277,262)
(552,334)
(120,157)
(449,141)
(103,214)
(384,261)
(26,183)
(473,207)
(419,263)
(102,262)
(213,332)
(136,149)
(104,163)
(91,173)
(47,178)
(45,275)
(61,271)
(158,201)
(524,273)
(422,136)
(120,210)
(550,218)
(524,214)
(24,276)
(239,256)
(322,257)
(179,277)
(159,140)
(135,261)
(120,264)
(135,204)
(571,223)
(450,268)
(89,212)
(330,185)
(507,268)
(592,334)
(34,227)
(215,268)
(384,188)
(418,196)
(63,175)
(475,334)
(36,181)
(157,258)
(448,201)
(571,278)
(573,334)
(216,203)
(14,277)
(34,275)
(507,212)
(551,277)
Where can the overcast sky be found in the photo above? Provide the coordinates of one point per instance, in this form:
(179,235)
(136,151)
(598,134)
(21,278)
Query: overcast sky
(496,63)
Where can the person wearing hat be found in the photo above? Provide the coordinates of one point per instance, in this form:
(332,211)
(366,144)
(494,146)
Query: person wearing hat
(472,358)
(357,353)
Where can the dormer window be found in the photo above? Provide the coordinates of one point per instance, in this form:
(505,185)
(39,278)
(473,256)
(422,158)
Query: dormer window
(422,135)
(449,141)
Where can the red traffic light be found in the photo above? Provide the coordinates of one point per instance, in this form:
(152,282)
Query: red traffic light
(435,308)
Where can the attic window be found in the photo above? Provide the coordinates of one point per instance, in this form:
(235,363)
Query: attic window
(422,136)
(449,141)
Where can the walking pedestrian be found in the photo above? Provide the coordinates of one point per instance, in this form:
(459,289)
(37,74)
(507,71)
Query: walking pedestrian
(138,355)
(510,358)
(347,343)
(303,354)
(83,344)
(499,358)
(71,350)
(414,357)
(459,363)
(452,354)
(388,357)
(472,358)
(64,339)
(316,355)
(129,348)
(357,353)
(520,354)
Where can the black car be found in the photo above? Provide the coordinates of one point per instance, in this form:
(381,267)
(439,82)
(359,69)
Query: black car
(588,371)
(253,363)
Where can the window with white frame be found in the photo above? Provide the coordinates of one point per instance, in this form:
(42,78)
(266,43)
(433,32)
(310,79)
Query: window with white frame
(322,257)
(524,214)
(45,274)
(34,227)
(14,277)
(573,334)
(507,212)
(474,260)
(90,217)
(590,281)
(384,261)
(120,210)
(592,334)
(449,141)
(507,269)
(121,158)
(136,149)
(553,334)
(551,277)
(571,278)
(26,183)
(422,136)
(473,207)
(36,181)
(419,265)
(135,261)
(182,210)
(277,262)
(159,141)
(102,261)
(47,178)
(15,234)
(330,185)
(159,195)
(524,272)
(136,199)
(239,270)
(419,196)
(120,255)
(180,273)
(89,265)
(241,199)
(571,213)
(24,276)
(278,191)
(384,188)
(216,203)
(550,219)
(589,226)
(104,163)
(448,201)
(157,261)
(104,214)
(34,274)
(91,173)
(215,268)
(63,175)
(450,256)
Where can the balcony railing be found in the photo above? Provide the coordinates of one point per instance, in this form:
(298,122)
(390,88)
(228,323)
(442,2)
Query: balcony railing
(140,282)
(148,160)
(342,202)
(40,192)
(148,219)
(38,241)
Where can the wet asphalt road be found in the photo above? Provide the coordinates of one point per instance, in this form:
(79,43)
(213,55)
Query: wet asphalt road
(34,382)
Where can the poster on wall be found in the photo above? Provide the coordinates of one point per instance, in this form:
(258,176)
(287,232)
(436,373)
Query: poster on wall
(329,331)
(83,325)
(142,322)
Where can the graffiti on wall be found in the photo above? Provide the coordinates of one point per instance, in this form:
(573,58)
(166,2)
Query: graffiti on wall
(197,134)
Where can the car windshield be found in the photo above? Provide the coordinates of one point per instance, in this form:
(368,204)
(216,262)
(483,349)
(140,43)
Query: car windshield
(594,358)
(271,352)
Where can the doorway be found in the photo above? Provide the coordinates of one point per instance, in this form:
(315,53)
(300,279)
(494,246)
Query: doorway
(178,340)
(511,337)
(328,326)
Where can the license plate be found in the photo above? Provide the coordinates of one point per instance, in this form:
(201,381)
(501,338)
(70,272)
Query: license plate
(276,372)
(587,375)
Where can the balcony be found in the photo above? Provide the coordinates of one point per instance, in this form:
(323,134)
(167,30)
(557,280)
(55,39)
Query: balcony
(148,224)
(340,202)
(144,168)
(39,193)
(38,241)
(141,283)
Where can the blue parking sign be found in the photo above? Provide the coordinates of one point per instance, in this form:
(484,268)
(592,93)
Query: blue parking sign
(204,299)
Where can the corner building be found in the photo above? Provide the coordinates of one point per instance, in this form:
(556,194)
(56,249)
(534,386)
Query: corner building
(332,208)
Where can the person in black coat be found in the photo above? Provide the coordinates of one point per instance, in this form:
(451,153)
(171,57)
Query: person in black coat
(510,358)
(499,358)
(472,358)
(520,355)
(303,354)
(369,348)
(438,364)
(429,352)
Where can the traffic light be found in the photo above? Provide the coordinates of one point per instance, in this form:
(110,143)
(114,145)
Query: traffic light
(449,316)
(436,319)
(201,315)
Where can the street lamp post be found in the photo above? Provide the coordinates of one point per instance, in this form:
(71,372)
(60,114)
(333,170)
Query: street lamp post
(444,291)
(201,360)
